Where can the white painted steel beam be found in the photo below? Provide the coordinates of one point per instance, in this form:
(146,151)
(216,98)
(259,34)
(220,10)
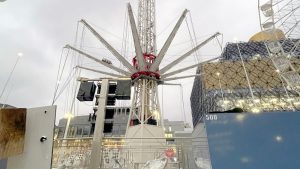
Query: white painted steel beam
(181,58)
(109,47)
(99,71)
(187,68)
(172,84)
(99,61)
(137,44)
(85,79)
(180,77)
(167,44)
(96,154)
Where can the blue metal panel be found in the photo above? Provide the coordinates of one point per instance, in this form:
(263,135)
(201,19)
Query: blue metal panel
(260,141)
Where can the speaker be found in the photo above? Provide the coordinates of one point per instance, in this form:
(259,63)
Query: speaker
(86,91)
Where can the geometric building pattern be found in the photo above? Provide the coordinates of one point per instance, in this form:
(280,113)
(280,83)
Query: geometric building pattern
(231,75)
(250,49)
(223,85)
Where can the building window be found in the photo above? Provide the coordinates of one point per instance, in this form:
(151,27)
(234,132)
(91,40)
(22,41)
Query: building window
(108,127)
(92,130)
(86,131)
(79,131)
(109,114)
(112,88)
(61,131)
(72,131)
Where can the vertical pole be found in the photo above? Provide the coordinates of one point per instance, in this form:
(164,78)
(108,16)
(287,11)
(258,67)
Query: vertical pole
(96,155)
(133,107)
(67,127)
(161,115)
(144,82)
(247,77)
(64,142)
(143,101)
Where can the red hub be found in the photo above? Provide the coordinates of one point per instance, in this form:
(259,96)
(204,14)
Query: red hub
(149,59)
(145,73)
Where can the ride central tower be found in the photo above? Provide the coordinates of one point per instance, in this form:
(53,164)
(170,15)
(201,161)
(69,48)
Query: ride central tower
(145,111)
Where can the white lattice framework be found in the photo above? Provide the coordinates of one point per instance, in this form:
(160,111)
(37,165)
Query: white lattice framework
(277,16)
(146,26)
(146,94)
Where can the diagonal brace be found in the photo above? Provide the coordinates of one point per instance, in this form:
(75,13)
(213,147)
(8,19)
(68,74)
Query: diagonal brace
(136,39)
(109,47)
(187,68)
(167,44)
(180,77)
(181,58)
(99,71)
(99,61)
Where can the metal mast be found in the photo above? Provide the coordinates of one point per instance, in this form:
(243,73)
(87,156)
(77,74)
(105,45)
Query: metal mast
(147,26)
(145,103)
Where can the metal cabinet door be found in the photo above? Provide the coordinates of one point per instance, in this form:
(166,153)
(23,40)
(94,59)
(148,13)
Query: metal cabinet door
(37,155)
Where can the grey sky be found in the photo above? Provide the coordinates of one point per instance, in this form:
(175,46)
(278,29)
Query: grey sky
(40,28)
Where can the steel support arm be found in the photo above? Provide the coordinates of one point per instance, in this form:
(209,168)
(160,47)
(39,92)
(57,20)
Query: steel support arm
(109,47)
(137,44)
(99,61)
(167,44)
(180,77)
(187,68)
(171,84)
(98,71)
(169,66)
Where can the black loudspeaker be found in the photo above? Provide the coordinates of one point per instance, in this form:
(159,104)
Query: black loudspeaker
(112,88)
(86,91)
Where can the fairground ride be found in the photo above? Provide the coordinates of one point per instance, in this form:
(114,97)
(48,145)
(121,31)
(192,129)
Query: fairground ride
(145,74)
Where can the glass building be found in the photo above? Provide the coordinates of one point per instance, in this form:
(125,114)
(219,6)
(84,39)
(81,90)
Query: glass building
(244,79)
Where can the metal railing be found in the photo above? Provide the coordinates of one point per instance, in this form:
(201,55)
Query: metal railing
(130,153)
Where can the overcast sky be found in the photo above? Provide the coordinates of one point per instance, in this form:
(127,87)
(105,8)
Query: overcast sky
(40,28)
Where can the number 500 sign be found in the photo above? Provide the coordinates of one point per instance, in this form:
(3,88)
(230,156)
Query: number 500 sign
(211,117)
